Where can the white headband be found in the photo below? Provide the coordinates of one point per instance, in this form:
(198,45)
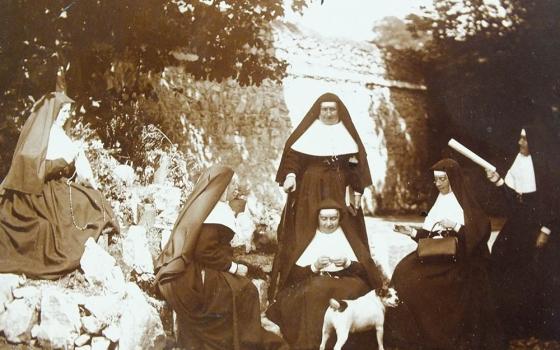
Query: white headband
(439,173)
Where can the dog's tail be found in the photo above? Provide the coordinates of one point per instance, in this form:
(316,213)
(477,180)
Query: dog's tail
(338,305)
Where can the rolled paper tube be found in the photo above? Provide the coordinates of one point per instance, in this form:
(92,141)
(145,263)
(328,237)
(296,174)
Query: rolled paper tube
(470,154)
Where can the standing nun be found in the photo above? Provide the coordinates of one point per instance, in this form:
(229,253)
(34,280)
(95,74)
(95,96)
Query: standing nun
(526,254)
(323,158)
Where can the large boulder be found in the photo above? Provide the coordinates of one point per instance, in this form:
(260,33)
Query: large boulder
(100,269)
(91,325)
(140,324)
(104,308)
(17,321)
(8,282)
(60,320)
(31,293)
(100,343)
(82,340)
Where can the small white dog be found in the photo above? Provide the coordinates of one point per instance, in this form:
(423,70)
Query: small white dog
(364,313)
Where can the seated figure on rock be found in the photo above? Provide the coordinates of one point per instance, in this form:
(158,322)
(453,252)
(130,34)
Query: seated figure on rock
(217,306)
(49,202)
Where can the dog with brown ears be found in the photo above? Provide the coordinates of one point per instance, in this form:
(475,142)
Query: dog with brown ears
(361,314)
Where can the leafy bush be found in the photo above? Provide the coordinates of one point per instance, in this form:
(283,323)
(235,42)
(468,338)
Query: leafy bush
(126,197)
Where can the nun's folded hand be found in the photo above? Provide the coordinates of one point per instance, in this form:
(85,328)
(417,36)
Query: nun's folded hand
(339,261)
(322,262)
(289,184)
(542,239)
(241,270)
(447,224)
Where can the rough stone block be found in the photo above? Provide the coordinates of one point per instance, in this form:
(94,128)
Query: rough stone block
(100,343)
(82,340)
(60,319)
(140,324)
(17,321)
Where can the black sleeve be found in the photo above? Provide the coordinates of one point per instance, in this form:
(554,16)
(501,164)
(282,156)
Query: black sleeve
(299,273)
(549,199)
(293,164)
(546,209)
(354,175)
(355,269)
(421,233)
(509,193)
(462,243)
(210,251)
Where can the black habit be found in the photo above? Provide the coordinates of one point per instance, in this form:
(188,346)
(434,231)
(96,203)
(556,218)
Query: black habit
(526,278)
(318,177)
(448,305)
(300,305)
(215,308)
(45,218)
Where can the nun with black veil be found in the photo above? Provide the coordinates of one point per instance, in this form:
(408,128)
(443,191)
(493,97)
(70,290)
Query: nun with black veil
(49,202)
(217,306)
(323,157)
(335,264)
(526,253)
(447,304)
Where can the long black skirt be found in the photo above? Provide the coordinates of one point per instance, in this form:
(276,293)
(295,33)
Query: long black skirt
(299,311)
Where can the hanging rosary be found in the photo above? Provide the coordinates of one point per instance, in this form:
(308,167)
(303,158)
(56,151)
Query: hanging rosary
(81,228)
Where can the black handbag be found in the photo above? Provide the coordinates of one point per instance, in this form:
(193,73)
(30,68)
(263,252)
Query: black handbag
(438,247)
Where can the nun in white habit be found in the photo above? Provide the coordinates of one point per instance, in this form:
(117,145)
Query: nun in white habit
(49,204)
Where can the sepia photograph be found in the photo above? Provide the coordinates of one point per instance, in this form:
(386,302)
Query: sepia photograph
(280,174)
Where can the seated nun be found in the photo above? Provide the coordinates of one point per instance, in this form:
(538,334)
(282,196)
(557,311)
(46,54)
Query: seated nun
(217,305)
(447,304)
(49,202)
(335,264)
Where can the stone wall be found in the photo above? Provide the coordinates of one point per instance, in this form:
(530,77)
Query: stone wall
(246,127)
(391,116)
(402,120)
(222,122)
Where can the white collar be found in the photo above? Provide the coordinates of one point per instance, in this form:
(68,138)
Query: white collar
(446,207)
(521,175)
(333,245)
(60,145)
(321,139)
(223,215)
